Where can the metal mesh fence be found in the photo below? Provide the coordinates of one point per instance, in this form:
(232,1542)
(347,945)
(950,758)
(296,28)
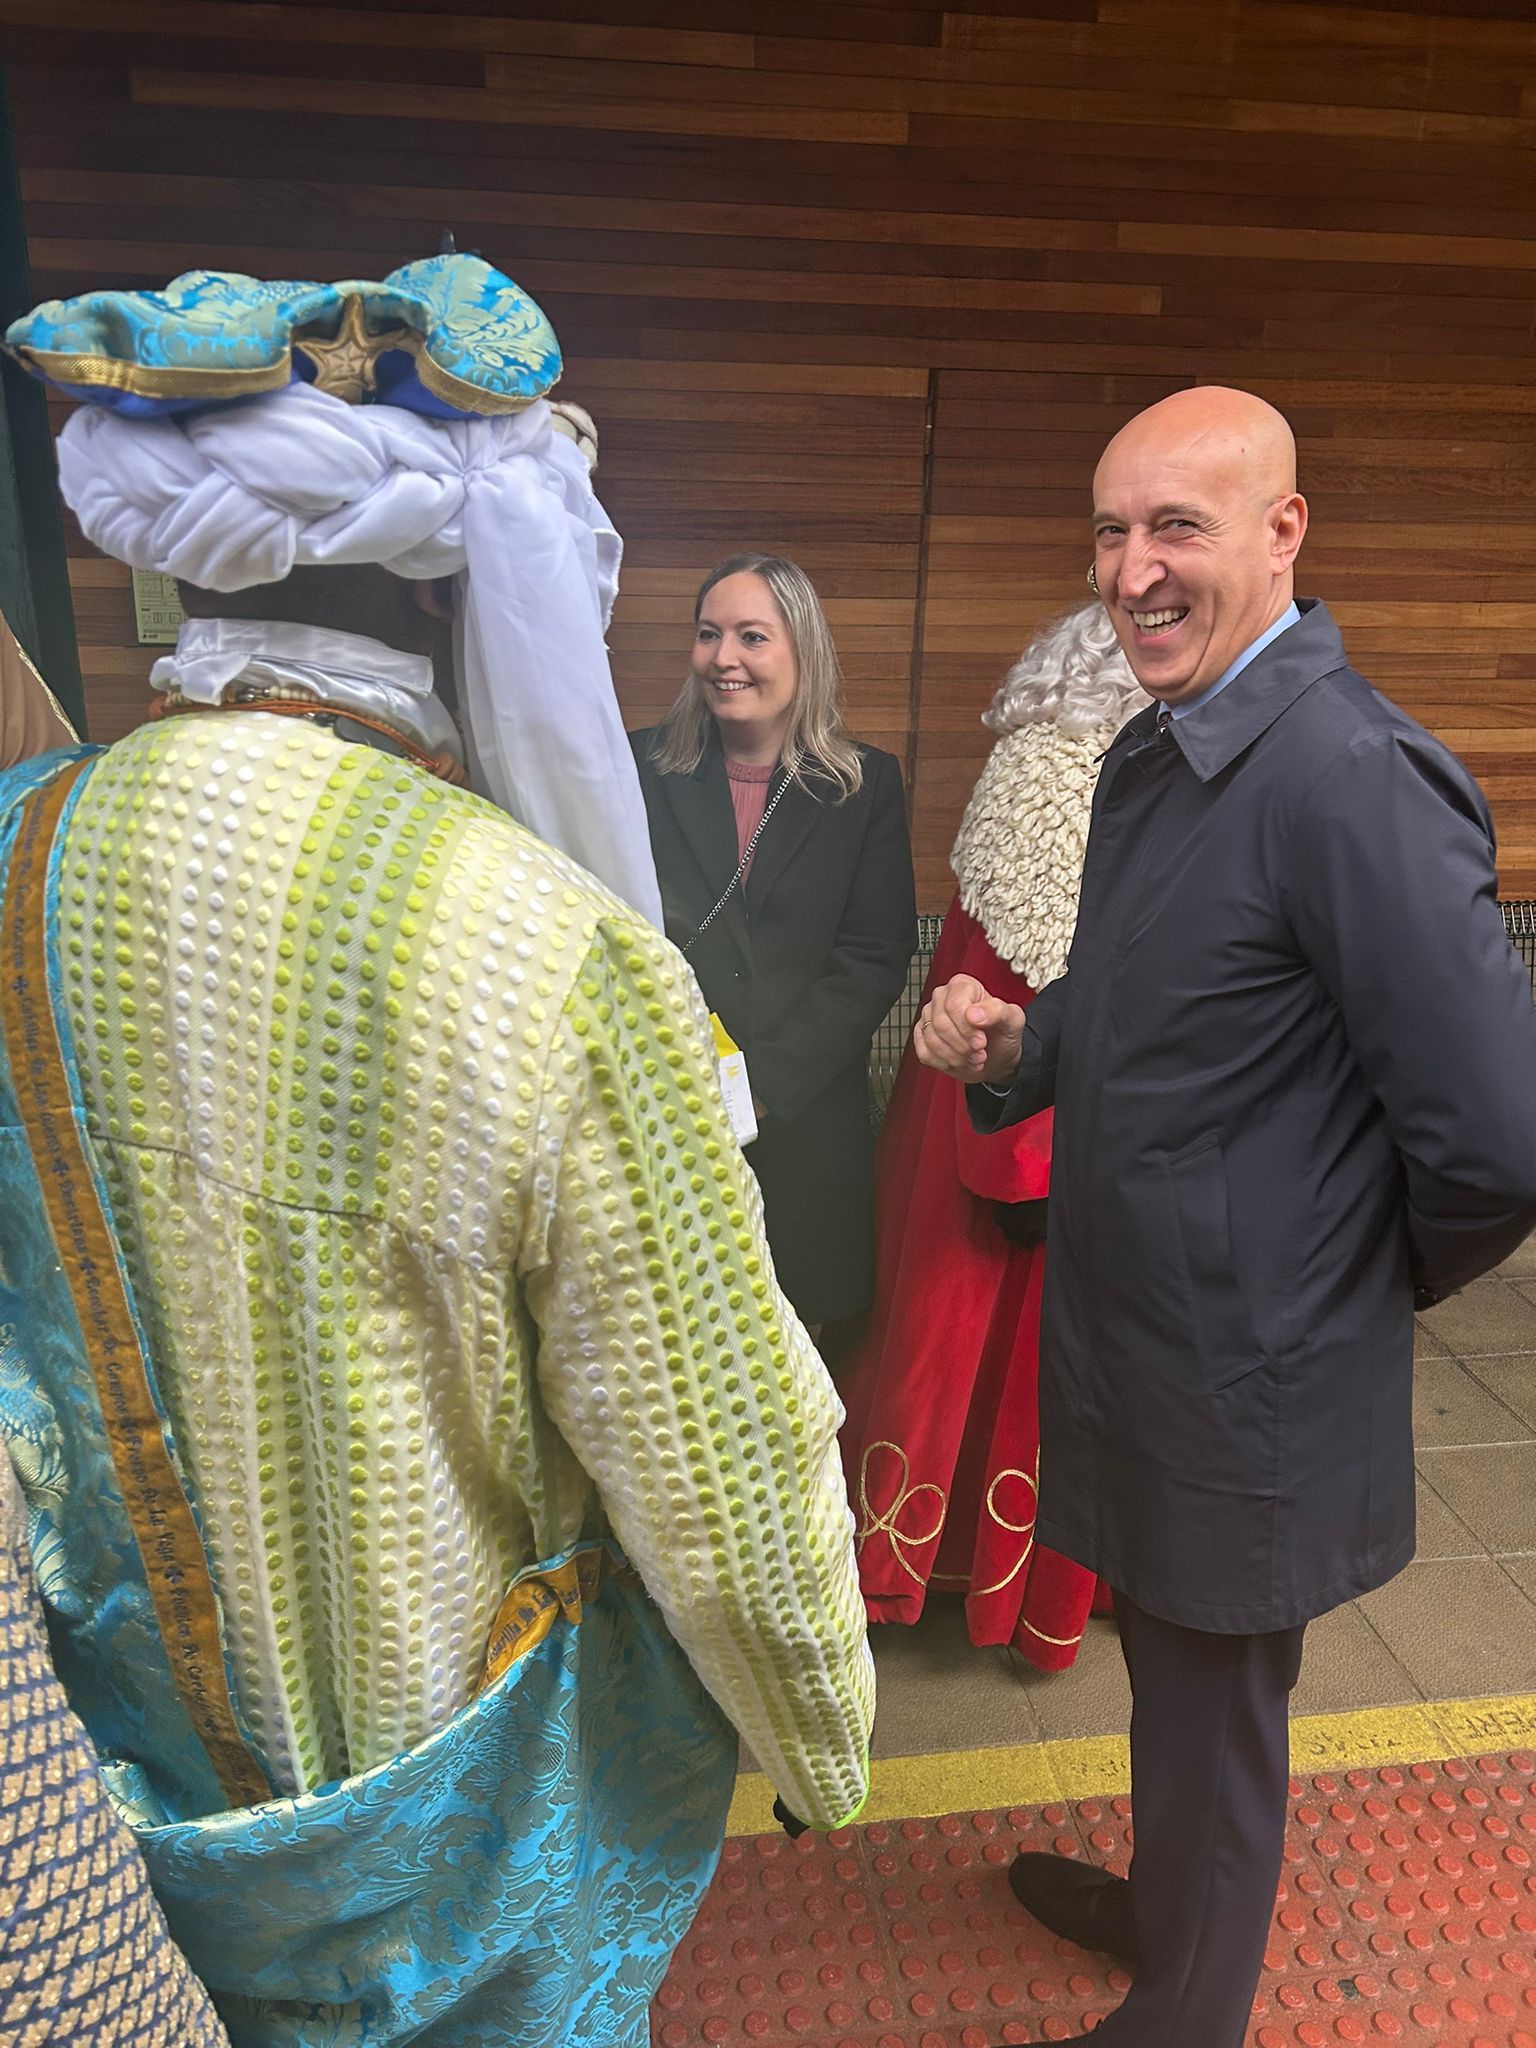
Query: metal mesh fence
(1520,923)
(891,1038)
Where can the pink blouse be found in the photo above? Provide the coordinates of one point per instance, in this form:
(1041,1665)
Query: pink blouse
(749,799)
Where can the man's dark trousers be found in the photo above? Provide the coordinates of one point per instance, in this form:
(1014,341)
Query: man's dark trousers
(1211,1773)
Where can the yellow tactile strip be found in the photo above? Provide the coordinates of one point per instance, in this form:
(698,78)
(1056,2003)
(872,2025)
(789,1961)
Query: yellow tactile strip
(1099,1766)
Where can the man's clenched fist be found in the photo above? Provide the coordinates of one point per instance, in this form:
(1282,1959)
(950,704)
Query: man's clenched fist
(967,1034)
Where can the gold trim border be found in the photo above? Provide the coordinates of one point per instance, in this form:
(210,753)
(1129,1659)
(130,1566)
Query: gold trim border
(454,390)
(152,380)
(1099,1766)
(149,380)
(159,1513)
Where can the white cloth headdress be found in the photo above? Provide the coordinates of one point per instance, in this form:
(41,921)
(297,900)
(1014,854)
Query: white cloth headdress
(239,495)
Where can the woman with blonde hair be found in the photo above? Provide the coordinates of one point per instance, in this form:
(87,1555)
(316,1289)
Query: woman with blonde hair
(786,878)
(942,1442)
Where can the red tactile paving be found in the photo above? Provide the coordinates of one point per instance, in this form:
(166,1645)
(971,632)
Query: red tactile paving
(1406,1913)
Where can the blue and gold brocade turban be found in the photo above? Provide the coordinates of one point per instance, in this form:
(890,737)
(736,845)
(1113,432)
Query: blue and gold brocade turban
(448,337)
(231,430)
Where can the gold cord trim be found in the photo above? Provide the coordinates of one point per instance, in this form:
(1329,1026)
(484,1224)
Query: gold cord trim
(159,1513)
(443,765)
(882,1522)
(1059,1642)
(1024,1529)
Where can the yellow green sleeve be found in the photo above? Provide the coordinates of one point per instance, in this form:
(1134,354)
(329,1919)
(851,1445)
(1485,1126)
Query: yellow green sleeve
(682,1380)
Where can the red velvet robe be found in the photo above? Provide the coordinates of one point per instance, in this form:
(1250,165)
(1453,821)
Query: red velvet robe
(942,1441)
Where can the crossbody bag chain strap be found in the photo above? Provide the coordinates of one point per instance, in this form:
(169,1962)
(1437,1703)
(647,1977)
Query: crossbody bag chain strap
(741,868)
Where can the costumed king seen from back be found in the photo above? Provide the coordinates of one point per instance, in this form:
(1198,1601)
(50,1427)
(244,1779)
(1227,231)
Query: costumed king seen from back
(417,1504)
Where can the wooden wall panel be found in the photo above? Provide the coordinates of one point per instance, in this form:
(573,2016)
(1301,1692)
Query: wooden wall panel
(873,284)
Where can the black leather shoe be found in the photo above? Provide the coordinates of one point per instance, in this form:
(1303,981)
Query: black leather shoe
(1079,1901)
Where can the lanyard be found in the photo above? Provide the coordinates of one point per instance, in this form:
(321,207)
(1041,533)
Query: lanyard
(741,869)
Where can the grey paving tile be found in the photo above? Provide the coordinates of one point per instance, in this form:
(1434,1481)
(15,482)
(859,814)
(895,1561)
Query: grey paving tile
(1493,1490)
(936,1691)
(1490,1315)
(1425,1343)
(1523,1571)
(1442,1534)
(1459,1629)
(1512,1381)
(1451,1406)
(1092,1698)
(1347,1665)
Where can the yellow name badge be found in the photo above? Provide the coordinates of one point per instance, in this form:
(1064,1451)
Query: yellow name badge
(734,1085)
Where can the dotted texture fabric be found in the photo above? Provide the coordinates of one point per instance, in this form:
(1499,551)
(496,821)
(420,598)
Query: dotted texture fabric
(445,1255)
(84,1952)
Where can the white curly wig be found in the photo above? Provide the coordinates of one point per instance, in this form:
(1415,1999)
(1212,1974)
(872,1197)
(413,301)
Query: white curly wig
(1019,857)
(1071,675)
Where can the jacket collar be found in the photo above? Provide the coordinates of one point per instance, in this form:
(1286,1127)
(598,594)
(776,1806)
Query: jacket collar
(797,813)
(701,804)
(1213,736)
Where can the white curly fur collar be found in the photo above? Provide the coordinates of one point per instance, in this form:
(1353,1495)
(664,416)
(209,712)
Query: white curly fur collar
(1019,854)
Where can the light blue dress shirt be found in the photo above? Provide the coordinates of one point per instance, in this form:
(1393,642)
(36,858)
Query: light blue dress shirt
(1287,618)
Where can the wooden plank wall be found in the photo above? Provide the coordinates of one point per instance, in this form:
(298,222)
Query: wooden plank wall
(873,283)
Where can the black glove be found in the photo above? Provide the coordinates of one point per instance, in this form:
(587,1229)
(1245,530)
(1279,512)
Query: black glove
(792,1826)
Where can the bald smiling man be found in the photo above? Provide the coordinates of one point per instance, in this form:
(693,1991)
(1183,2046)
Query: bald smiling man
(1293,1062)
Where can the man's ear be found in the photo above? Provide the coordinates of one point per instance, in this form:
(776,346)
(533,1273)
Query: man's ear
(1288,529)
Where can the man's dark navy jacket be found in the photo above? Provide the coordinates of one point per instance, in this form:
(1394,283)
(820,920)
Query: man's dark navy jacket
(1293,1061)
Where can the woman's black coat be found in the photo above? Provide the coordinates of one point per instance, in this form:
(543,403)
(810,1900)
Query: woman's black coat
(801,974)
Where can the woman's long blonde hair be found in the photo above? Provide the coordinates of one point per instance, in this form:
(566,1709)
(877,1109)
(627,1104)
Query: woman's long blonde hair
(816,746)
